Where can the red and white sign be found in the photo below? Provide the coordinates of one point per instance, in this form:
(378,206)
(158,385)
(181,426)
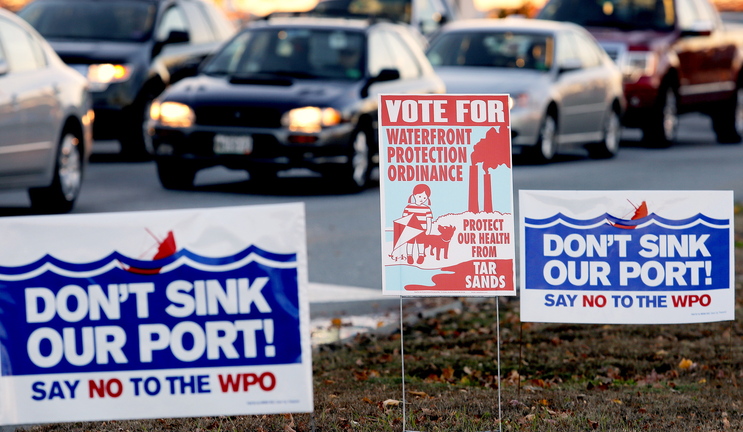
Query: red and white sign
(446,195)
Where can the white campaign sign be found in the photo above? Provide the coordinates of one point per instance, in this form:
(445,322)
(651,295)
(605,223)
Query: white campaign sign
(627,257)
(179,313)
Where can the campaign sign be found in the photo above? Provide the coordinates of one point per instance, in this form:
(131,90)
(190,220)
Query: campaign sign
(627,257)
(180,313)
(446,195)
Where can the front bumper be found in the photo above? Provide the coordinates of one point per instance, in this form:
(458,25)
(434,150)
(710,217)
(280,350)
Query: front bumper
(278,149)
(525,125)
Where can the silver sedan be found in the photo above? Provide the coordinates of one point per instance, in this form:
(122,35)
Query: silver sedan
(45,119)
(564,89)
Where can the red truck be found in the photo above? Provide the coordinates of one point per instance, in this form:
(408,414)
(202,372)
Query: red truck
(677,57)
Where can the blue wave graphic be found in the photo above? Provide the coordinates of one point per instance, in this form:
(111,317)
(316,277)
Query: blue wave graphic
(147,264)
(626,222)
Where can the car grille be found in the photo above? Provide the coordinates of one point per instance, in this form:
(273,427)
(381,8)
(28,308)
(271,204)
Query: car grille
(238,116)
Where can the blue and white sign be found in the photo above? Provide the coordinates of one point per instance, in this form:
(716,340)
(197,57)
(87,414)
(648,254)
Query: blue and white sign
(627,257)
(154,314)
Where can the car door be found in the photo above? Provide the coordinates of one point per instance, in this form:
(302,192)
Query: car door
(582,87)
(203,38)
(705,57)
(29,111)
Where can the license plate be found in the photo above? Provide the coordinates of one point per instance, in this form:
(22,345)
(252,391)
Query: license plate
(233,144)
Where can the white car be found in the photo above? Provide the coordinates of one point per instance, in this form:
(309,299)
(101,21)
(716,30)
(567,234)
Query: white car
(45,119)
(564,88)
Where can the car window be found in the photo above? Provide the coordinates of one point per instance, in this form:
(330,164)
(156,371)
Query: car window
(492,49)
(587,50)
(201,31)
(21,50)
(404,59)
(172,20)
(625,14)
(567,52)
(222,27)
(379,57)
(297,52)
(117,20)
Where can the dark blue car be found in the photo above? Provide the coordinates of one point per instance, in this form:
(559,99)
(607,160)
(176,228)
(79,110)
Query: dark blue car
(298,92)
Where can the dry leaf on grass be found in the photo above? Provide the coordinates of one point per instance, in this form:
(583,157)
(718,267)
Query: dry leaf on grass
(390,403)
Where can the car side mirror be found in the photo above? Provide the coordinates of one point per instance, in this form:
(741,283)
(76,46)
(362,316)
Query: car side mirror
(388,75)
(4,67)
(384,75)
(570,65)
(174,37)
(177,36)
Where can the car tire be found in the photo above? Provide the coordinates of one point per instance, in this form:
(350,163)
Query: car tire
(662,128)
(175,176)
(608,147)
(355,173)
(546,146)
(60,196)
(728,120)
(136,142)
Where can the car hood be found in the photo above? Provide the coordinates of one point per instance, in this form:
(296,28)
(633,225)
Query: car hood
(90,52)
(467,80)
(206,91)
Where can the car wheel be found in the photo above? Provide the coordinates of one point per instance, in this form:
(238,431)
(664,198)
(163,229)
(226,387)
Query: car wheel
(608,147)
(175,176)
(136,143)
(357,170)
(546,147)
(662,128)
(60,196)
(728,121)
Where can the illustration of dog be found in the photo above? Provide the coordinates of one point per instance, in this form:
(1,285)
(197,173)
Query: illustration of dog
(439,243)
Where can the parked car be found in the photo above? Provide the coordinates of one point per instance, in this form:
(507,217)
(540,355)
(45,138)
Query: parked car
(289,93)
(426,16)
(45,119)
(130,50)
(564,89)
(677,57)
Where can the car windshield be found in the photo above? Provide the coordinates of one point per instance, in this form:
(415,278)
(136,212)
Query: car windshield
(298,53)
(492,49)
(114,20)
(623,14)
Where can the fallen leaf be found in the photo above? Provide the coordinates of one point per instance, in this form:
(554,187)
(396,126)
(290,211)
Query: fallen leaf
(617,401)
(447,373)
(390,402)
(593,424)
(685,364)
(290,426)
(418,393)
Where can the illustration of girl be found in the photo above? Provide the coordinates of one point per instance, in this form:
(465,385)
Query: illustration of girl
(419,206)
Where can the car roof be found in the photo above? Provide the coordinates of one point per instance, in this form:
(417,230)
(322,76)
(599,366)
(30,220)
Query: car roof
(509,24)
(280,20)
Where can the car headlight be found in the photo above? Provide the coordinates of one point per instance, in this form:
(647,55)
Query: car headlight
(518,100)
(638,63)
(310,119)
(172,114)
(101,75)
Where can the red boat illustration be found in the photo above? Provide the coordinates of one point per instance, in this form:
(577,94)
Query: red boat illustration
(165,248)
(641,211)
